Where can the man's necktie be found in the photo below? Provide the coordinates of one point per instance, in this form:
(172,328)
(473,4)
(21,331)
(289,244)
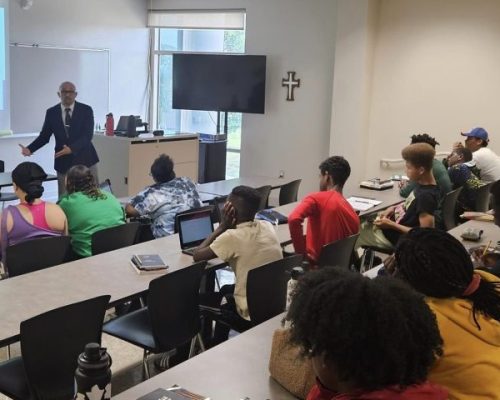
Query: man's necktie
(67,120)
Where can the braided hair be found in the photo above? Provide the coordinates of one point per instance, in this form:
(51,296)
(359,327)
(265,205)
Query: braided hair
(436,264)
(360,325)
(28,176)
(80,179)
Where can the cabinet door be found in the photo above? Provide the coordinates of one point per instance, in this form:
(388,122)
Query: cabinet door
(142,154)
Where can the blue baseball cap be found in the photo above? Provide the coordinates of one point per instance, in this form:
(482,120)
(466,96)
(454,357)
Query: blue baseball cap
(479,133)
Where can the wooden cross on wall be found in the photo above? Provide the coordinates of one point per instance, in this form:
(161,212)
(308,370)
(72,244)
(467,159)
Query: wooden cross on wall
(290,83)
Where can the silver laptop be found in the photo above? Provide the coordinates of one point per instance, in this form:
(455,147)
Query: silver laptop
(194,227)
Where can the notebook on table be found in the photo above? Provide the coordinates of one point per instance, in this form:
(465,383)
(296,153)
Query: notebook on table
(194,228)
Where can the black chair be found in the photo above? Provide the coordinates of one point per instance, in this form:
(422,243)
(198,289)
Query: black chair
(264,192)
(288,193)
(6,196)
(449,209)
(106,186)
(266,294)
(50,345)
(219,207)
(35,254)
(338,253)
(171,318)
(113,238)
(191,210)
(483,198)
(266,288)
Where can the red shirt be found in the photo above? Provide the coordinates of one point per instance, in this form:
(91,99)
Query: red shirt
(330,218)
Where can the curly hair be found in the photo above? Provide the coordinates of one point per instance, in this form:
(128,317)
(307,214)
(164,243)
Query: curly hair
(375,333)
(436,264)
(424,138)
(162,169)
(338,168)
(80,179)
(29,177)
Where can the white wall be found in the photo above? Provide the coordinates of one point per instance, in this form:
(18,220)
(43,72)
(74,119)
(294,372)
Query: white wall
(436,70)
(119,25)
(352,82)
(295,35)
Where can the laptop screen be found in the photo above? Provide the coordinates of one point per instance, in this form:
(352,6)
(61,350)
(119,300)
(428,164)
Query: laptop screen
(194,228)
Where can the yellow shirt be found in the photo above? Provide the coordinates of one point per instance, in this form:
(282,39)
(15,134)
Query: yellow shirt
(250,245)
(470,365)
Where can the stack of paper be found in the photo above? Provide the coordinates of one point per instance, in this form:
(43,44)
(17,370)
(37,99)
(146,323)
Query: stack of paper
(362,203)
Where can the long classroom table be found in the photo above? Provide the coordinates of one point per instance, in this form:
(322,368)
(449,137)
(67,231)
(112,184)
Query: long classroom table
(6,179)
(223,188)
(28,295)
(236,369)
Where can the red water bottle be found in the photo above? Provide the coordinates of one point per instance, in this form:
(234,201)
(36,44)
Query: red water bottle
(110,125)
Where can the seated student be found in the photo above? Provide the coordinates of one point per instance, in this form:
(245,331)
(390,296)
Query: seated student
(367,339)
(330,216)
(467,307)
(487,162)
(461,171)
(32,217)
(244,243)
(438,169)
(88,209)
(418,208)
(165,198)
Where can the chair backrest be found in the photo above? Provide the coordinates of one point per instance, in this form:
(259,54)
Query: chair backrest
(288,193)
(264,196)
(52,341)
(173,306)
(191,210)
(266,288)
(2,166)
(483,198)
(106,186)
(115,237)
(39,253)
(338,253)
(448,208)
(219,207)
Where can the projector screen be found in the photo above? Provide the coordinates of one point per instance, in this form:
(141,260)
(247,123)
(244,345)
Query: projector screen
(4,65)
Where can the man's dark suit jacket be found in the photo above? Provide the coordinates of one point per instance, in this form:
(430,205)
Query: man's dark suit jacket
(78,139)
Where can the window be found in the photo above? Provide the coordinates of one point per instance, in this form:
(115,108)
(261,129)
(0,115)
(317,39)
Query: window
(166,42)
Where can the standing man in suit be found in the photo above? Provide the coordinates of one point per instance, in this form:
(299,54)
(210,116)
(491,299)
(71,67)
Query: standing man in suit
(72,125)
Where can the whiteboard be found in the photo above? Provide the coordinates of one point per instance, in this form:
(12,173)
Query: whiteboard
(36,73)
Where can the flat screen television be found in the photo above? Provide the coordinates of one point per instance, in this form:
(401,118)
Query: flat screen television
(219,82)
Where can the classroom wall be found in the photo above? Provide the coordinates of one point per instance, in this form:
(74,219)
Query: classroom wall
(299,36)
(436,70)
(119,25)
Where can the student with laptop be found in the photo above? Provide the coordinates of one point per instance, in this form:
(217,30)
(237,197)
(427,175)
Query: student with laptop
(244,243)
(168,196)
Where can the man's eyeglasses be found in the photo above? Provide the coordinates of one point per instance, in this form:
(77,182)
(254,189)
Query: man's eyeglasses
(68,91)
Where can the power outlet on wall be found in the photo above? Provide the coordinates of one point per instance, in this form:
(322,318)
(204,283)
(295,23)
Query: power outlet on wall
(281,174)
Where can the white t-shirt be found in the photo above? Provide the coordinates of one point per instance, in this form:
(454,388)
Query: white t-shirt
(250,245)
(488,164)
